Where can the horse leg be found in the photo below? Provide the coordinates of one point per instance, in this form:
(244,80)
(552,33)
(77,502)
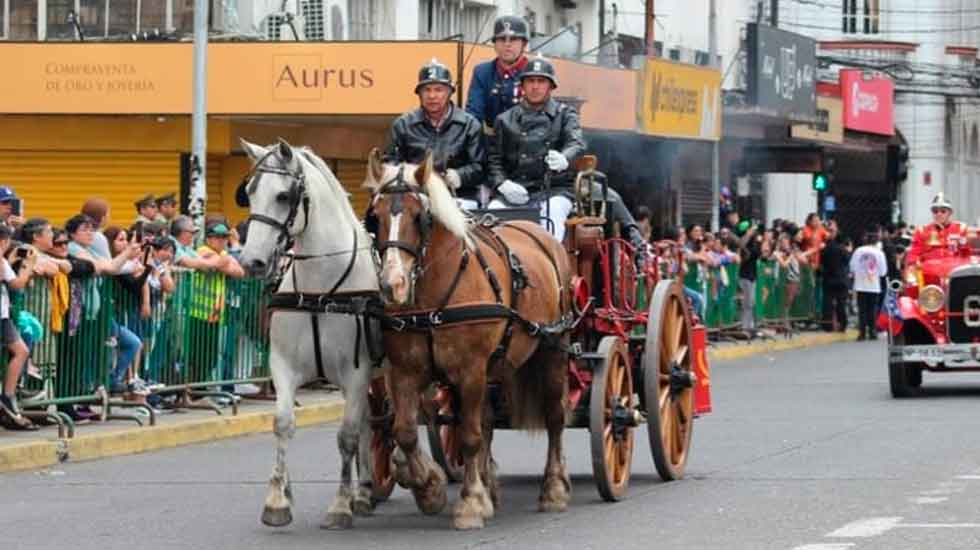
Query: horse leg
(363,497)
(475,505)
(413,469)
(279,501)
(340,515)
(489,465)
(557,487)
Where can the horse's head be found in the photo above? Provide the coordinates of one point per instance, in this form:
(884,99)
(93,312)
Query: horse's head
(407,201)
(275,192)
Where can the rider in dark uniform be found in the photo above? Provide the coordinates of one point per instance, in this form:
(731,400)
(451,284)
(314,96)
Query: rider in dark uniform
(538,136)
(495,85)
(452,134)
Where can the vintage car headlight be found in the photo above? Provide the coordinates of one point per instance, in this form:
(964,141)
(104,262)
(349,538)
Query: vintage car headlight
(931,299)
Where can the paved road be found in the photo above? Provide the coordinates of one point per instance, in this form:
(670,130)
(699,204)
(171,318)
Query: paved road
(805,450)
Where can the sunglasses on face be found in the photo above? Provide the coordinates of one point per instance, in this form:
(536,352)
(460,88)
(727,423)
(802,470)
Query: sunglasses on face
(60,243)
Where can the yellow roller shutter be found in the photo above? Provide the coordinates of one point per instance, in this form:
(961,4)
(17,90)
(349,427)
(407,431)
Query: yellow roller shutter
(351,174)
(55,184)
(215,179)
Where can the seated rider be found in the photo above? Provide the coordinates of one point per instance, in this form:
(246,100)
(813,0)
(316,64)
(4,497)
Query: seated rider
(539,135)
(494,87)
(939,237)
(452,134)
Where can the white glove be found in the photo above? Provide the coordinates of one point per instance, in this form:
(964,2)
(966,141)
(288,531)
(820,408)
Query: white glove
(452,179)
(513,192)
(556,161)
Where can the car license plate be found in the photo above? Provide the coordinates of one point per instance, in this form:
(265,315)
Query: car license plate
(923,354)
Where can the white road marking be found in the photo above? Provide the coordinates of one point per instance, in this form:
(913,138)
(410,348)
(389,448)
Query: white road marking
(826,546)
(940,525)
(870,527)
(969,477)
(929,500)
(944,491)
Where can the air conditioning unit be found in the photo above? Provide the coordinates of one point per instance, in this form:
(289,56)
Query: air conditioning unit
(315,21)
(283,26)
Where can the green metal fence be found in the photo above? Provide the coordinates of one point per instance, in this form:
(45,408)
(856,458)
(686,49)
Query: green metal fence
(210,332)
(722,301)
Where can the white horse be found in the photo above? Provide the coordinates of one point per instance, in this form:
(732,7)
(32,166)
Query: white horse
(294,197)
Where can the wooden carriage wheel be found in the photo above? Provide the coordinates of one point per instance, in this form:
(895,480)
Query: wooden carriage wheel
(668,380)
(444,441)
(609,419)
(382,439)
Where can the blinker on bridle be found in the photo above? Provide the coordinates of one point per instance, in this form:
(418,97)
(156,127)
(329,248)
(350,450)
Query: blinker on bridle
(297,195)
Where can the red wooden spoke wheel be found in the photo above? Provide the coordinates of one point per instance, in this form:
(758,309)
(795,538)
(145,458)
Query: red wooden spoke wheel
(611,418)
(668,380)
(382,439)
(444,443)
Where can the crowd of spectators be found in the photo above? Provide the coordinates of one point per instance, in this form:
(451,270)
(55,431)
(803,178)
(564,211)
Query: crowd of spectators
(847,275)
(141,258)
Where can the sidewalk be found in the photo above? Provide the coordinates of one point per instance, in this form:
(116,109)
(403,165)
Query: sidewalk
(43,448)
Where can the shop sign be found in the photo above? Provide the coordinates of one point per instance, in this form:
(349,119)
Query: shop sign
(782,70)
(869,102)
(252,78)
(829,125)
(678,100)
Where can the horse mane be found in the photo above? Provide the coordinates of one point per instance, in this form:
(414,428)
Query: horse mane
(333,184)
(442,204)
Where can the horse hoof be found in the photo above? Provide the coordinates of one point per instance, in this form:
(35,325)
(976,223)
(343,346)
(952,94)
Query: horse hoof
(468,522)
(337,521)
(363,508)
(431,504)
(552,506)
(400,469)
(277,517)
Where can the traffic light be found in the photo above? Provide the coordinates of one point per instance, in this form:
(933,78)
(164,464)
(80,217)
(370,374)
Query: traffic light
(820,181)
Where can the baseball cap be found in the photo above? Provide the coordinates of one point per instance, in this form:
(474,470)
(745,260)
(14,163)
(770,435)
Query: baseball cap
(7,194)
(218,230)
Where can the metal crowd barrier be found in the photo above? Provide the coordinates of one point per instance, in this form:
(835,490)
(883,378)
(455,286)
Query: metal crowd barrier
(204,338)
(723,302)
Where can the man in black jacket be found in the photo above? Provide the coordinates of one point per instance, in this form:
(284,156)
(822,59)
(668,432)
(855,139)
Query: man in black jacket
(834,265)
(452,134)
(541,138)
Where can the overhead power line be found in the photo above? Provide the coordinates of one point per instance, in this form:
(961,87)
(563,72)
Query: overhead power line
(839,7)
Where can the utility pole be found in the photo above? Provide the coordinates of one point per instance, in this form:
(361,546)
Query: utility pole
(648,28)
(199,119)
(715,145)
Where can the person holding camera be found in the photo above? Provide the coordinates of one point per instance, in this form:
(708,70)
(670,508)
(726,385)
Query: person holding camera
(10,208)
(24,258)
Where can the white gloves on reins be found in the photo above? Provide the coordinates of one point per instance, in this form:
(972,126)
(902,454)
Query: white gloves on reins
(513,192)
(556,161)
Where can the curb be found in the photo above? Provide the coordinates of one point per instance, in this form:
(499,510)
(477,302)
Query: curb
(769,346)
(43,454)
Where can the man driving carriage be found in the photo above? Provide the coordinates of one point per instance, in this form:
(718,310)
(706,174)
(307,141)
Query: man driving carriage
(452,134)
(539,139)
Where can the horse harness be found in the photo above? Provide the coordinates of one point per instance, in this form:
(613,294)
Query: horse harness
(426,321)
(362,304)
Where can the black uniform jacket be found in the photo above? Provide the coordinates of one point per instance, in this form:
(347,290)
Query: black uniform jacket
(456,144)
(523,137)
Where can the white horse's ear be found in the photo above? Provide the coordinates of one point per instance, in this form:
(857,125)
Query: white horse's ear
(375,172)
(424,171)
(254,152)
(286,153)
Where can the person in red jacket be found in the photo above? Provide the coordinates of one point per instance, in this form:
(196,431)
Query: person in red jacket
(938,238)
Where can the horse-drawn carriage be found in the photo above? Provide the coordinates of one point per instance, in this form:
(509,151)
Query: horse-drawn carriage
(486,324)
(636,356)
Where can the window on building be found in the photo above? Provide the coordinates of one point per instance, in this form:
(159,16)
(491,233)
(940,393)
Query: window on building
(23,20)
(861,16)
(91,17)
(439,19)
(122,17)
(336,23)
(58,27)
(974,143)
(369,20)
(153,15)
(4,19)
(184,16)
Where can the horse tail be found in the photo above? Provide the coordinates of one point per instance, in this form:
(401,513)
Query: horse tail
(534,386)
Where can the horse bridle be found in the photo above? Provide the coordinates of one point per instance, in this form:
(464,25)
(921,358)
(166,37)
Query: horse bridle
(399,186)
(297,195)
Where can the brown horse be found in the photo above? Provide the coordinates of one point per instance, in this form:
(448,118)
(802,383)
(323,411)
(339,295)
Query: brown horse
(453,300)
